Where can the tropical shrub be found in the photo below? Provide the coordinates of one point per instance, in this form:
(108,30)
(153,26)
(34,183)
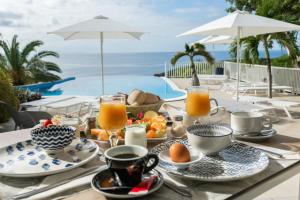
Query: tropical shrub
(7,95)
(27,65)
(27,96)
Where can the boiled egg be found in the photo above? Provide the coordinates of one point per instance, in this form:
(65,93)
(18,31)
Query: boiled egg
(179,153)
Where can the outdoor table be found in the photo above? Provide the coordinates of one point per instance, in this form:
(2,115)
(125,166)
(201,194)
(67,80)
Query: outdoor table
(278,171)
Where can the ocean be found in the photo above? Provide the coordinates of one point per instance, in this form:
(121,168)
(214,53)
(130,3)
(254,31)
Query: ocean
(147,64)
(123,73)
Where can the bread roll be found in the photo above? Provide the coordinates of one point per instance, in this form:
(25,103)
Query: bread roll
(136,97)
(151,98)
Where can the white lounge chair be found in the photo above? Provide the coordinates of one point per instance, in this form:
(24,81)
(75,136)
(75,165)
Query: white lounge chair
(266,102)
(261,88)
(212,78)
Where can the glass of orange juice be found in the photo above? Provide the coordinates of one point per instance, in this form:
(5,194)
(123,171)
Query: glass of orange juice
(198,103)
(112,115)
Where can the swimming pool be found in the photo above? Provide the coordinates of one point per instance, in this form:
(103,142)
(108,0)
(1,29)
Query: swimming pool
(90,86)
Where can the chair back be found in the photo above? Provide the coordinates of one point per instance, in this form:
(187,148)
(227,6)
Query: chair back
(10,109)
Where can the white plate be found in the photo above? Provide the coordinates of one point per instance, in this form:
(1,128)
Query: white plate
(26,159)
(266,134)
(194,155)
(237,161)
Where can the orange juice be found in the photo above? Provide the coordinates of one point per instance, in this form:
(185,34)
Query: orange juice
(197,103)
(112,115)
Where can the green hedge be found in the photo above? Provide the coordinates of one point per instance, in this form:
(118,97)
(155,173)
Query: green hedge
(7,95)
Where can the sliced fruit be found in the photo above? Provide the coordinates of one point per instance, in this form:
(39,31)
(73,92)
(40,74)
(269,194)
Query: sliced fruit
(96,131)
(161,133)
(47,123)
(150,114)
(157,126)
(121,133)
(103,135)
(158,119)
(151,134)
(129,121)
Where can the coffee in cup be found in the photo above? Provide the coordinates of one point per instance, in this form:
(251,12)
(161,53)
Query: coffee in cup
(128,163)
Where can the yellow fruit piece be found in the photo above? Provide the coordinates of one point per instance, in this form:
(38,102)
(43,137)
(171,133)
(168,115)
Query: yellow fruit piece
(161,133)
(96,131)
(151,134)
(157,126)
(158,119)
(121,134)
(103,135)
(150,114)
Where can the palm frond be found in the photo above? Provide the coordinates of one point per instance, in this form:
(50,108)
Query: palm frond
(177,56)
(30,47)
(250,49)
(50,66)
(207,56)
(187,48)
(43,54)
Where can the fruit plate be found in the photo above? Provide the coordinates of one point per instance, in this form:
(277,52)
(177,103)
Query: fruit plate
(237,161)
(26,159)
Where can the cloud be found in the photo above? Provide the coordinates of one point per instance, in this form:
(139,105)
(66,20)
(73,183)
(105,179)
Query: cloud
(10,15)
(8,19)
(32,19)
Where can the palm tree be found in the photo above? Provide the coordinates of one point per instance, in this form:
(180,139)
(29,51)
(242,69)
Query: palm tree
(250,50)
(287,40)
(26,65)
(196,49)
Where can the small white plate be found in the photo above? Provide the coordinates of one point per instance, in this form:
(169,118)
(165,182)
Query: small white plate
(194,155)
(265,134)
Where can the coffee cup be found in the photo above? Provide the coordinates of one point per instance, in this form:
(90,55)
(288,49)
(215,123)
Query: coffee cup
(249,122)
(128,163)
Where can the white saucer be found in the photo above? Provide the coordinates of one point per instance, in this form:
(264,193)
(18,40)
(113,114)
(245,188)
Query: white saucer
(195,157)
(263,135)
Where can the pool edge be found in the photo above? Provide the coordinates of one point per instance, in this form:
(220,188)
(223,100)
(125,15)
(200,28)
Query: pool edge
(176,88)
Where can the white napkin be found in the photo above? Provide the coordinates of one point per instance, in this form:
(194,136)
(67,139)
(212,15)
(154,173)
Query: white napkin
(56,178)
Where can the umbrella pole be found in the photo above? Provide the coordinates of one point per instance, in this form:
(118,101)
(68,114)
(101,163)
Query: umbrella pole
(238,64)
(102,67)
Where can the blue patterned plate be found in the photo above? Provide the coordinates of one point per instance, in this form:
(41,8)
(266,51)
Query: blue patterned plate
(26,159)
(237,161)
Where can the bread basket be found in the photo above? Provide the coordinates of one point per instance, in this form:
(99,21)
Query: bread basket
(144,108)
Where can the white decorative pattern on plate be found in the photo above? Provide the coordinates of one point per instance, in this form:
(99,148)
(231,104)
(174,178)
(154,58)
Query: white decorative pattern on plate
(26,159)
(235,162)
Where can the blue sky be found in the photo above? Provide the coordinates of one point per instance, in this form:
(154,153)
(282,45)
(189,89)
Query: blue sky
(162,19)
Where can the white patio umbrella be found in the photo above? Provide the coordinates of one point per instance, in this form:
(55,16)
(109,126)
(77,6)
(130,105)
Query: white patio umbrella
(241,24)
(101,28)
(203,40)
(220,39)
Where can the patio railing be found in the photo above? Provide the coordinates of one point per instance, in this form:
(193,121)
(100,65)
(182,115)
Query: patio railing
(258,73)
(183,70)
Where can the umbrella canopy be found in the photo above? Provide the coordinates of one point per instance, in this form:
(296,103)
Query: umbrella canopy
(241,24)
(221,39)
(203,40)
(101,28)
(250,25)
